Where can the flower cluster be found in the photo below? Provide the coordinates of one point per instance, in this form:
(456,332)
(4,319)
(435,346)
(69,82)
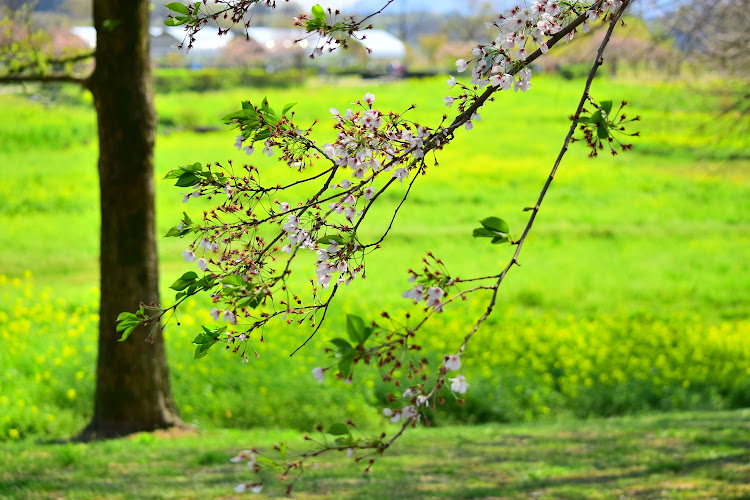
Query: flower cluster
(432,296)
(521,31)
(431,283)
(453,362)
(367,144)
(332,260)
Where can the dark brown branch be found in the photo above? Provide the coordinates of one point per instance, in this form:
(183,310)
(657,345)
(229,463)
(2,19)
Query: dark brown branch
(84,82)
(64,60)
(377,12)
(584,97)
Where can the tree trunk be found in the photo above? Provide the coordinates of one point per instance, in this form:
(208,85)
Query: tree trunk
(132,392)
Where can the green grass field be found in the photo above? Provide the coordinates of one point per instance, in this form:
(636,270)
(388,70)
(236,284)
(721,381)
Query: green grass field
(673,456)
(633,295)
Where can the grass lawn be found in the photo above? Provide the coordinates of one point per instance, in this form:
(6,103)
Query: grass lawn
(675,455)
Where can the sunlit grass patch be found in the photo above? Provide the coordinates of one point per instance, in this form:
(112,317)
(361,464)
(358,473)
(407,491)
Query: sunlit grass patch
(674,456)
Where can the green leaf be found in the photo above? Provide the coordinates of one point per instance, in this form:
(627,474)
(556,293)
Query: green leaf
(345,363)
(314,24)
(287,107)
(271,117)
(602,132)
(234,116)
(318,13)
(174,173)
(342,344)
(606,106)
(340,441)
(175,231)
(265,460)
(202,350)
(234,280)
(205,340)
(355,328)
(127,322)
(127,325)
(338,429)
(177,7)
(495,224)
(366,333)
(202,337)
(176,21)
(184,281)
(126,332)
(332,237)
(187,179)
(206,281)
(499,239)
(254,300)
(126,316)
(481,232)
(282,451)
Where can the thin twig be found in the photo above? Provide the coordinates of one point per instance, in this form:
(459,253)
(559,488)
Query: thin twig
(584,97)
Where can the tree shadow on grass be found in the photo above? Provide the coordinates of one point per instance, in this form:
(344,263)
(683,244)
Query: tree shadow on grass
(701,457)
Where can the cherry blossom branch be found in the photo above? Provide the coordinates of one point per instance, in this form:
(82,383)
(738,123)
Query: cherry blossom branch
(376,12)
(320,323)
(451,363)
(465,116)
(395,212)
(535,209)
(369,145)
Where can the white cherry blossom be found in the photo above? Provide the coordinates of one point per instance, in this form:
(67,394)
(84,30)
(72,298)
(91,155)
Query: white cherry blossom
(452,361)
(458,384)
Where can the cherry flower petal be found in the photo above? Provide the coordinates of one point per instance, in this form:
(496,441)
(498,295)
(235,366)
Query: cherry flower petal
(452,361)
(459,385)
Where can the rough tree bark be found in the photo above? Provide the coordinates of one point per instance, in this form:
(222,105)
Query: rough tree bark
(132,390)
